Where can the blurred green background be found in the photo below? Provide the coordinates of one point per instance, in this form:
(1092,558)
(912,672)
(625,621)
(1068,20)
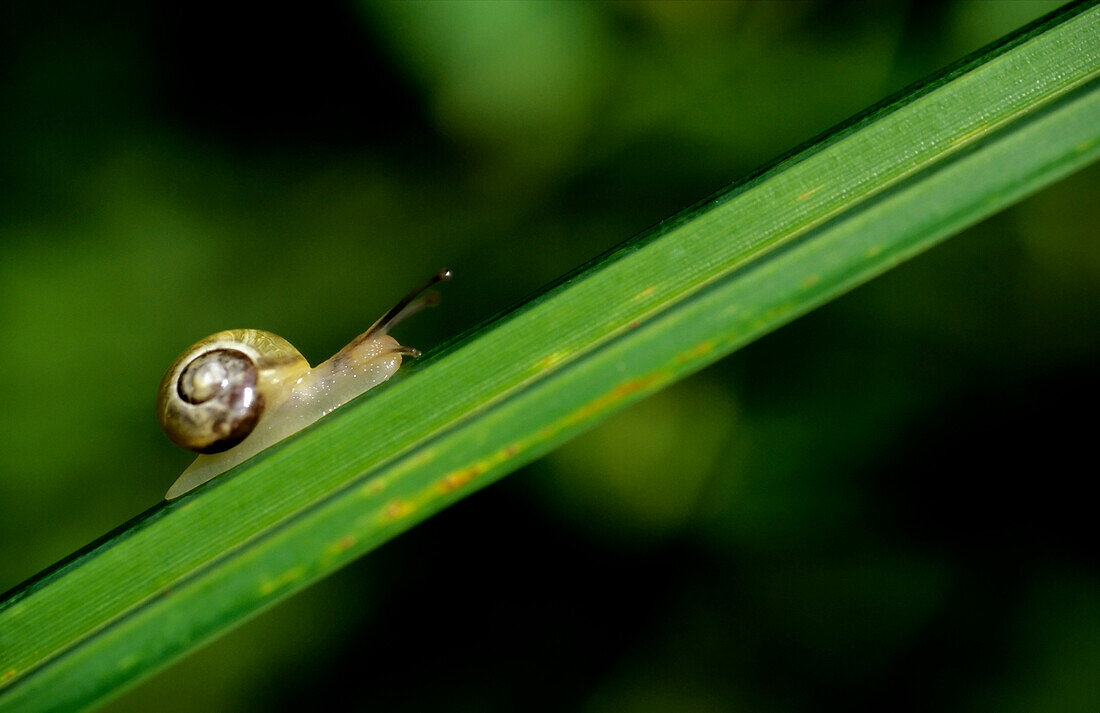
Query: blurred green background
(882,505)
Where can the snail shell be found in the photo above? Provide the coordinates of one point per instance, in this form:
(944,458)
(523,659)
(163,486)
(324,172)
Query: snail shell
(235,393)
(213,396)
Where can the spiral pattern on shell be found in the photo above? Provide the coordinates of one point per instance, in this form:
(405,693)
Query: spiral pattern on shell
(213,397)
(223,381)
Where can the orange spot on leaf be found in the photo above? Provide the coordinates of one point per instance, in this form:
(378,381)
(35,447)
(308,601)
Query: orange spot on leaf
(397,509)
(456,479)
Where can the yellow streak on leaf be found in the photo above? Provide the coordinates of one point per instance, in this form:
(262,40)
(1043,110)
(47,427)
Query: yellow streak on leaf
(810,192)
(550,360)
(372,487)
(699,350)
(463,476)
(976,131)
(270,585)
(606,401)
(377,485)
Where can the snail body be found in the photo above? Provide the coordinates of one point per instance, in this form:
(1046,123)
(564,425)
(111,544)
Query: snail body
(237,392)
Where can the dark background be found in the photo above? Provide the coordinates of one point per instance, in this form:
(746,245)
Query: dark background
(881,506)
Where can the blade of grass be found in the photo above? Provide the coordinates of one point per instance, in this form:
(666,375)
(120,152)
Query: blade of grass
(875,191)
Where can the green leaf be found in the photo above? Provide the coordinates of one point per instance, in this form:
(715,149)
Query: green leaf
(873,192)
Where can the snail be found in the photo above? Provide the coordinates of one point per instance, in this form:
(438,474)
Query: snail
(237,392)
